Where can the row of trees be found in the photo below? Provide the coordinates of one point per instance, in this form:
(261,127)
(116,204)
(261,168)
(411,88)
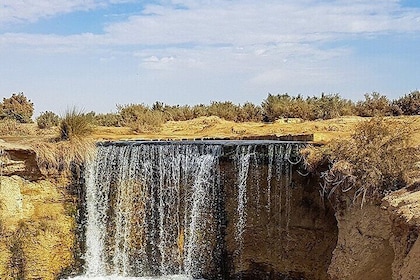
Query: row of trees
(144,117)
(274,107)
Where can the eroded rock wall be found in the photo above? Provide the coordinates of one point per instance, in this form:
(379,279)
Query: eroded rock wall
(404,211)
(294,236)
(289,235)
(37,237)
(363,249)
(379,241)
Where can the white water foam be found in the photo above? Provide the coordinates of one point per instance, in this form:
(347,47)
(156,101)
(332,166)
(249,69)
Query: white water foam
(148,210)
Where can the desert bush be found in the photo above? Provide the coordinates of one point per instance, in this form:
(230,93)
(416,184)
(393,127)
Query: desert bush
(109,119)
(141,118)
(177,113)
(285,106)
(377,159)
(276,107)
(330,106)
(17,107)
(199,110)
(75,124)
(183,113)
(374,104)
(249,113)
(409,104)
(225,110)
(47,119)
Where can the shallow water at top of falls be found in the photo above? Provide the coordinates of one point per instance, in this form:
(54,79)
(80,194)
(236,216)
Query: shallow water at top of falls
(115,277)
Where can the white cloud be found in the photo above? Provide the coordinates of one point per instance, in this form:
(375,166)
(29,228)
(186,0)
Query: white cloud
(231,22)
(16,11)
(256,45)
(31,10)
(243,22)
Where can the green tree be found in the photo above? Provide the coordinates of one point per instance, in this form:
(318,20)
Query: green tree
(249,112)
(330,106)
(142,118)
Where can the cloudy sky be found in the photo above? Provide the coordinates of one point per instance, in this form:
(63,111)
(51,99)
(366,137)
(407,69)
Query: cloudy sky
(96,54)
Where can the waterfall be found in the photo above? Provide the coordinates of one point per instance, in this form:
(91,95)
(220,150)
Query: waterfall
(158,208)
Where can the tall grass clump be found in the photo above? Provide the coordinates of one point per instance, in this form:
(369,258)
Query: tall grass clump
(75,124)
(54,158)
(377,159)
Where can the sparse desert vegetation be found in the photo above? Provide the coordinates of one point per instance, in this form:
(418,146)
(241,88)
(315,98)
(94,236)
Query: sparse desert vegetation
(361,140)
(378,157)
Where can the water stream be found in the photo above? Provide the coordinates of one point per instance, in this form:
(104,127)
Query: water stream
(156,210)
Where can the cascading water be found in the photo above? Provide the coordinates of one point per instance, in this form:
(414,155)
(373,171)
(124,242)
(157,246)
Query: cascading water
(158,208)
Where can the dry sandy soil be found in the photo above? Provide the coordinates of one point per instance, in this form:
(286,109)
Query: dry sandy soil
(324,131)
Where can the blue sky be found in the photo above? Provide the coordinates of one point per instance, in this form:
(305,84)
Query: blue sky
(96,54)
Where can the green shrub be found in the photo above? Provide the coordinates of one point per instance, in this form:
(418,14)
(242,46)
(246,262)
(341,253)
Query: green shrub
(276,107)
(109,119)
(409,104)
(47,119)
(374,105)
(327,106)
(17,107)
(249,113)
(75,124)
(330,106)
(225,110)
(177,113)
(199,110)
(377,159)
(141,118)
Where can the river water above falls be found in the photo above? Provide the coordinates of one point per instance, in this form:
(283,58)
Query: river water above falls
(184,210)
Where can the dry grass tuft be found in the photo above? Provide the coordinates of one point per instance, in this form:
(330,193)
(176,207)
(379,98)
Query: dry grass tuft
(75,124)
(58,157)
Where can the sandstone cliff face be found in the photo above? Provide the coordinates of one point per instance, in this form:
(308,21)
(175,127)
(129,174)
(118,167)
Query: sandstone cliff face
(403,208)
(299,237)
(363,249)
(379,241)
(293,239)
(36,236)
